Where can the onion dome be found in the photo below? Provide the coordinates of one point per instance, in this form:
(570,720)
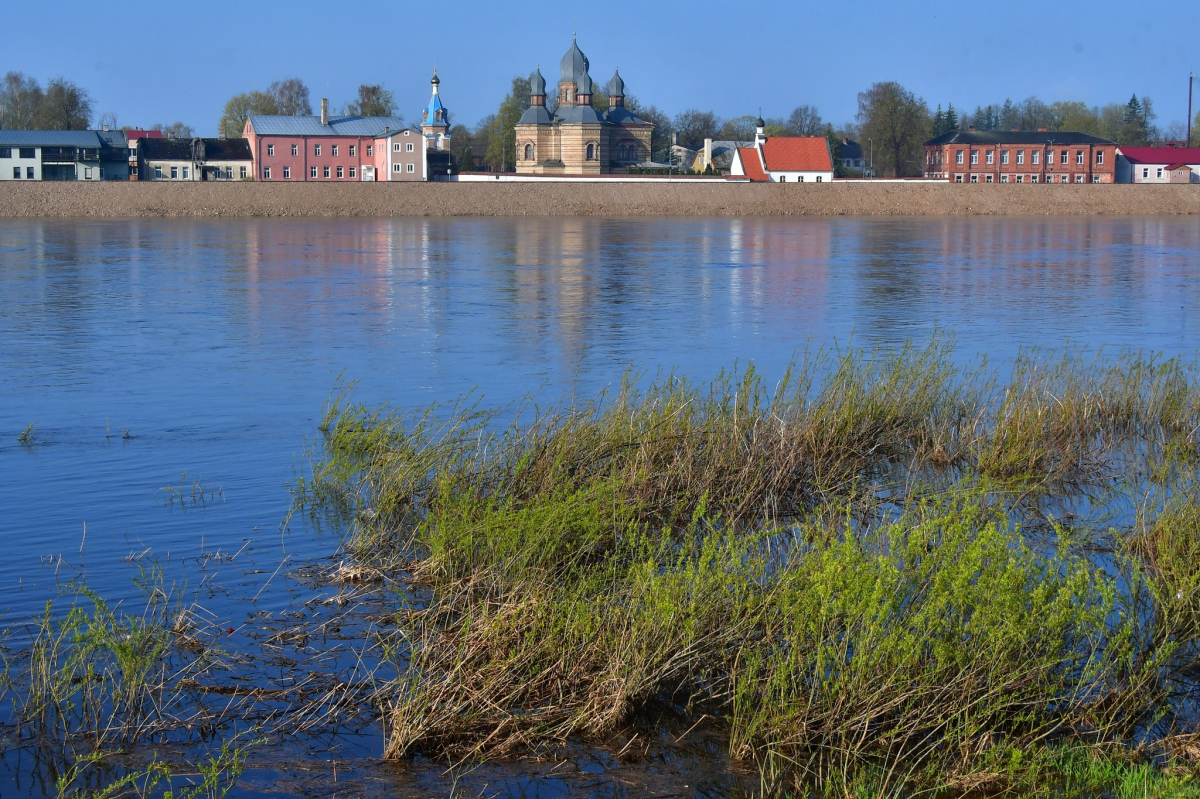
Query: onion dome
(537,84)
(616,86)
(436,80)
(758,123)
(574,64)
(583,84)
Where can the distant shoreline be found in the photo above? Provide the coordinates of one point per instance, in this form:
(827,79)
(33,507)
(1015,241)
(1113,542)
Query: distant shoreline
(43,200)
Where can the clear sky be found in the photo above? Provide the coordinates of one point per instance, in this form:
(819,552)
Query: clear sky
(160,62)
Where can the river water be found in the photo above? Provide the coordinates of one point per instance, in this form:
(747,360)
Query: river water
(197,355)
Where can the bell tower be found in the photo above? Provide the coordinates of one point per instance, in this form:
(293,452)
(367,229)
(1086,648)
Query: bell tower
(435,119)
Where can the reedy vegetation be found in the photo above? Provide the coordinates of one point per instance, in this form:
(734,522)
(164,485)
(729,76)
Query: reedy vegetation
(854,572)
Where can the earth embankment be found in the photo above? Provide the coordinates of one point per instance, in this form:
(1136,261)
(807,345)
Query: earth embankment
(173,200)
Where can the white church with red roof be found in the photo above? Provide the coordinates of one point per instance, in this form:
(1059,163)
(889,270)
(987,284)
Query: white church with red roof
(783,159)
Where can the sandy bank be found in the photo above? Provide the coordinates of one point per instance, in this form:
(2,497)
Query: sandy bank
(123,200)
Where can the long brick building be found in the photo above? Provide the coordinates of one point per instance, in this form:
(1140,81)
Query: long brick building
(1020,157)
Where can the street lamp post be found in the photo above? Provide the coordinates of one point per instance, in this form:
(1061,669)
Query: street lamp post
(872,143)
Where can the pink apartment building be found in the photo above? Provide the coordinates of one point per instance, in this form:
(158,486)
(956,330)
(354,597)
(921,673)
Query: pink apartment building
(325,148)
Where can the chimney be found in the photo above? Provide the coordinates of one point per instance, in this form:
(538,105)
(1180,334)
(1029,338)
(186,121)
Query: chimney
(971,128)
(674,137)
(106,128)
(708,152)
(324,111)
(845,141)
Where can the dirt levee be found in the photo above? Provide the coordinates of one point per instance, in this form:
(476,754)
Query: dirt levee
(123,200)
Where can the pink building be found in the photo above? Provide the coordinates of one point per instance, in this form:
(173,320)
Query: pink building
(325,148)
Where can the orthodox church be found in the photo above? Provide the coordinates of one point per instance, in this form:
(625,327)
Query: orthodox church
(577,139)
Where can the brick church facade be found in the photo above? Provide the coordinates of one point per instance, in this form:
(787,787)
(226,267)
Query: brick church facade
(576,139)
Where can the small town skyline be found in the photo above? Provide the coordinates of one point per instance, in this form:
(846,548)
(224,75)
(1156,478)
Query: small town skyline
(689,60)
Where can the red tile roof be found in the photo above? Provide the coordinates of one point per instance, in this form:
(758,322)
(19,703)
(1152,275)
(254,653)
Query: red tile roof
(750,163)
(1161,155)
(797,154)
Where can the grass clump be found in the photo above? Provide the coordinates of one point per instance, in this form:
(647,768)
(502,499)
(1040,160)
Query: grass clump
(26,436)
(856,573)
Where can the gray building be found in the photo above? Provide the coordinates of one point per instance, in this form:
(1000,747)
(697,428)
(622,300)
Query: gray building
(63,155)
(194,160)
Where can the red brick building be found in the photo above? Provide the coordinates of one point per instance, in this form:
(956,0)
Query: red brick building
(1020,157)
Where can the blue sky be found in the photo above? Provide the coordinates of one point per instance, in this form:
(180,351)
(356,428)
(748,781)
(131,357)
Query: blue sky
(159,62)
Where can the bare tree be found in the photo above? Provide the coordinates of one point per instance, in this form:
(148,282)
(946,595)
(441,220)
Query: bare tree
(898,122)
(694,126)
(373,101)
(64,106)
(20,101)
(291,95)
(176,130)
(805,121)
(738,129)
(107,120)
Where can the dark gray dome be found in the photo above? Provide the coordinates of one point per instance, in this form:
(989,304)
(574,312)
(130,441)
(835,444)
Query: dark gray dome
(574,64)
(537,84)
(616,86)
(584,84)
(758,123)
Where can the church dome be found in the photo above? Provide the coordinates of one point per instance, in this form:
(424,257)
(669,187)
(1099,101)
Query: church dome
(537,84)
(616,86)
(583,85)
(574,64)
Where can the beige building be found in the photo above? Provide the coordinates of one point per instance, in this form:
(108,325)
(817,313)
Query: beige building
(577,139)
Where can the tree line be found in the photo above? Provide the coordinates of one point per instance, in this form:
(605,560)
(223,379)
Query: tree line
(290,97)
(61,105)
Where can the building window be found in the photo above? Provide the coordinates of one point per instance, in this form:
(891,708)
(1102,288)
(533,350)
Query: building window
(370,150)
(990,157)
(958,157)
(28,152)
(409,147)
(270,149)
(1020,178)
(591,152)
(1145,172)
(395,167)
(266,173)
(316,149)
(312,172)
(229,172)
(1003,178)
(396,147)
(1099,158)
(287,172)
(1033,178)
(185,173)
(1066,178)
(1159,173)
(1020,156)
(174,173)
(242,173)
(1004,156)
(29,172)
(412,168)
(352,173)
(989,179)
(1079,178)
(16,173)
(325,171)
(5,152)
(528,152)
(974,178)
(974,156)
(1063,159)
(783,178)
(340,172)
(1079,157)
(819,179)
(334,150)
(1035,157)
(158,173)
(295,150)
(958,179)
(353,150)
(1095,178)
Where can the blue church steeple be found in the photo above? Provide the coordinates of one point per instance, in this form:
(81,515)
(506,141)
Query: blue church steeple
(435,119)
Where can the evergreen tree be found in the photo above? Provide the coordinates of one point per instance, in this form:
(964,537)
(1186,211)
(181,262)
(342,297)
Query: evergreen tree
(939,122)
(951,118)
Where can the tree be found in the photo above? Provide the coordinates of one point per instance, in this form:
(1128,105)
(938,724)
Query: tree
(835,150)
(694,126)
(373,101)
(240,107)
(1074,116)
(1010,116)
(291,96)
(951,122)
(20,100)
(1033,114)
(899,123)
(1137,123)
(660,136)
(600,101)
(176,130)
(805,120)
(737,129)
(64,106)
(460,148)
(501,154)
(107,120)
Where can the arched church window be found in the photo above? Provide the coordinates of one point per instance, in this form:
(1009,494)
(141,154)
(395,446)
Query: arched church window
(591,151)
(528,152)
(621,153)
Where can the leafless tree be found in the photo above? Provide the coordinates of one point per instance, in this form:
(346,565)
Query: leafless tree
(291,95)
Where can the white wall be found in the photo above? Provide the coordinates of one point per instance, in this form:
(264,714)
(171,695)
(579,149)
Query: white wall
(8,164)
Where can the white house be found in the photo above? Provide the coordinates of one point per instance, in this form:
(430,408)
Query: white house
(1158,164)
(784,159)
